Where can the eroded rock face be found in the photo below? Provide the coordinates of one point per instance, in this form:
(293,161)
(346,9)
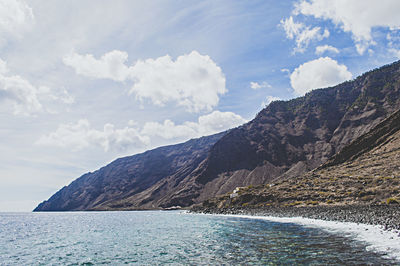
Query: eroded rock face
(365,172)
(286,139)
(289,138)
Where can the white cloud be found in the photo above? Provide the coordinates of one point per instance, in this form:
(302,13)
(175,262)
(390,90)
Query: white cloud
(393,41)
(81,135)
(269,100)
(207,124)
(111,65)
(370,13)
(319,50)
(168,129)
(15,17)
(285,70)
(256,85)
(219,121)
(292,29)
(302,34)
(395,52)
(318,73)
(18,91)
(26,98)
(192,80)
(62,95)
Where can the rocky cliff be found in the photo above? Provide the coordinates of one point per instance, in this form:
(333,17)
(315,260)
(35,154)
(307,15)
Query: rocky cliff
(285,140)
(365,172)
(289,138)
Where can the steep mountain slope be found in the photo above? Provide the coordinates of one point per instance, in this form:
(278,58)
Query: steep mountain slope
(289,138)
(285,139)
(367,171)
(130,175)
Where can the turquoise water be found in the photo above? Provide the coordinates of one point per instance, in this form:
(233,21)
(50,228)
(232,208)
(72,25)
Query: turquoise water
(155,237)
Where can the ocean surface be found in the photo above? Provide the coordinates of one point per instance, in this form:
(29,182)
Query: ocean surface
(156,237)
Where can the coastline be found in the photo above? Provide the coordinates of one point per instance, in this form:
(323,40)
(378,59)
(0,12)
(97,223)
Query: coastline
(378,226)
(386,216)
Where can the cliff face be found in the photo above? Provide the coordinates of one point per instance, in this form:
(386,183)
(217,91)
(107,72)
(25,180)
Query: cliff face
(289,138)
(285,140)
(365,172)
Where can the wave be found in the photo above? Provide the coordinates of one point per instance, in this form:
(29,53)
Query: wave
(377,239)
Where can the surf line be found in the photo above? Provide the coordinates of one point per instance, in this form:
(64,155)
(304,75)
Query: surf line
(378,240)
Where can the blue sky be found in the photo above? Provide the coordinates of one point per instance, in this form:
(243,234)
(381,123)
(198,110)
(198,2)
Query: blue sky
(85,82)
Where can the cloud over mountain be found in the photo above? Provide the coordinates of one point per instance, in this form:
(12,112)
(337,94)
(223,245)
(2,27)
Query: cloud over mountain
(81,135)
(318,73)
(206,125)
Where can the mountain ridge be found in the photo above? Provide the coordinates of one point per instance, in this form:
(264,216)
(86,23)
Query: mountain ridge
(284,140)
(127,166)
(365,172)
(303,132)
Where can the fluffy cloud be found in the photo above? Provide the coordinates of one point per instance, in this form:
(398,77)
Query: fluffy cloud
(318,73)
(269,100)
(168,129)
(319,50)
(15,17)
(192,80)
(26,98)
(110,66)
(302,34)
(256,85)
(18,91)
(81,135)
(207,124)
(370,13)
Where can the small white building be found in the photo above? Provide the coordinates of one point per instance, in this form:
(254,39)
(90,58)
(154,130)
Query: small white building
(235,193)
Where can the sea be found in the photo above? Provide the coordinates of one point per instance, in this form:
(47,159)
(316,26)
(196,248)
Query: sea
(181,238)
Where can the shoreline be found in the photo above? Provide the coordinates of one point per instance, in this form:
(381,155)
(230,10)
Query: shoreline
(377,226)
(386,216)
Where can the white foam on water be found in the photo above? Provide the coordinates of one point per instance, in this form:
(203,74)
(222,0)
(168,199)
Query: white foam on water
(377,239)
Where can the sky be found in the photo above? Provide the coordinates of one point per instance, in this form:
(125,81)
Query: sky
(85,82)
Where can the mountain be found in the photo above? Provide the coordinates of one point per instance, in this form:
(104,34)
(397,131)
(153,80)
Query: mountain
(288,138)
(131,176)
(365,172)
(284,140)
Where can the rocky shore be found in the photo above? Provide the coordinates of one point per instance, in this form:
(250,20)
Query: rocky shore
(387,216)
